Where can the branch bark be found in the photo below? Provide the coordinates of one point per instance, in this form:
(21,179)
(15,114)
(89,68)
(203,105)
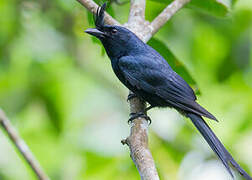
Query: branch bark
(166,14)
(22,147)
(138,139)
(137,11)
(139,151)
(136,22)
(138,143)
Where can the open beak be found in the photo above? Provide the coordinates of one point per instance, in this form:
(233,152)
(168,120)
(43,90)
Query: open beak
(95,32)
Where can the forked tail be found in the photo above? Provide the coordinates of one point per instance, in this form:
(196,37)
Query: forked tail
(216,145)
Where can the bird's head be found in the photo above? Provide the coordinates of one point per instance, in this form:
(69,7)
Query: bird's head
(117,40)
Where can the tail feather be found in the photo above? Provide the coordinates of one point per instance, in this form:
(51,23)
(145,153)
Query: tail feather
(216,145)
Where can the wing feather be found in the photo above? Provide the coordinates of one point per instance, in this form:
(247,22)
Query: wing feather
(143,74)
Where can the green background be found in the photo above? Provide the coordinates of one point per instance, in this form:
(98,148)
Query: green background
(58,89)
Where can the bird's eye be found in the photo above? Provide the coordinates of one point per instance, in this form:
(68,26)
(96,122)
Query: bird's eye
(114,31)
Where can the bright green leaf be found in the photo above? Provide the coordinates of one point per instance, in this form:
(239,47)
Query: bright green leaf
(214,7)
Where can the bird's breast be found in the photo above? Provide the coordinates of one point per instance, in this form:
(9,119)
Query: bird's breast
(117,71)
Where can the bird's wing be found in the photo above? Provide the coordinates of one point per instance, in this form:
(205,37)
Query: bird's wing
(159,79)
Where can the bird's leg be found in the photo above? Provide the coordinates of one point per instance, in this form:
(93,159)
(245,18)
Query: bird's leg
(148,108)
(137,115)
(131,96)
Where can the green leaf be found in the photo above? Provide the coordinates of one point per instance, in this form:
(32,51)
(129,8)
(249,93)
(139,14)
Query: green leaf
(90,19)
(213,7)
(173,62)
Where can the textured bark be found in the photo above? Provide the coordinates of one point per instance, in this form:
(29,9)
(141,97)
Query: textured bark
(138,143)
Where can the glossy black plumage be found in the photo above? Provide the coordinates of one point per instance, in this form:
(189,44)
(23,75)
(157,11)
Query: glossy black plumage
(146,73)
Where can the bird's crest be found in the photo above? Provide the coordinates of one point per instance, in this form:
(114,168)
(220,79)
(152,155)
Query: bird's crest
(99,16)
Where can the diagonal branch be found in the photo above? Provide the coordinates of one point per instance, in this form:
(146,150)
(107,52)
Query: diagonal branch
(138,143)
(92,7)
(22,147)
(139,151)
(137,11)
(166,14)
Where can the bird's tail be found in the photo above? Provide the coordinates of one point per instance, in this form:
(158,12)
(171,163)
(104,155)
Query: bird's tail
(216,145)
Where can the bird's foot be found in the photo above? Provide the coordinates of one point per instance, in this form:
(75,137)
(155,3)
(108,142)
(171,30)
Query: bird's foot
(148,108)
(137,115)
(131,96)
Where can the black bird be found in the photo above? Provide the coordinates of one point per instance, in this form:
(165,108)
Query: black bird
(148,75)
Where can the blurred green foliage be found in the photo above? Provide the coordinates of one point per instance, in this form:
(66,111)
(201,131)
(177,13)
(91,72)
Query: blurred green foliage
(64,99)
(213,7)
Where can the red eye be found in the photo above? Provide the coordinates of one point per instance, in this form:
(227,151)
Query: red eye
(114,31)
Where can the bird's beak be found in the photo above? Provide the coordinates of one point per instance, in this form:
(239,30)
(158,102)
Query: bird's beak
(95,32)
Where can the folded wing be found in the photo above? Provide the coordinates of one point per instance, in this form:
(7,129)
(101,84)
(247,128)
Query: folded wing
(143,74)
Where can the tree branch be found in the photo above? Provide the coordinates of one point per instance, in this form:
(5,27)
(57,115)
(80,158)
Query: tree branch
(136,22)
(138,143)
(166,14)
(137,11)
(138,139)
(21,146)
(92,7)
